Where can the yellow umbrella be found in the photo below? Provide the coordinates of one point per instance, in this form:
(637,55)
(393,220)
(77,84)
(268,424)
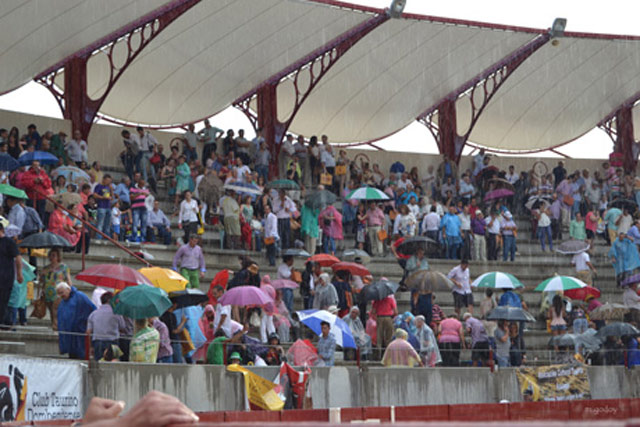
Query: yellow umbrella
(163,278)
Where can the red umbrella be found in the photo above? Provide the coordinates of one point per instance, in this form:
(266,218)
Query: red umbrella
(114,276)
(582,293)
(351,267)
(221,278)
(325,260)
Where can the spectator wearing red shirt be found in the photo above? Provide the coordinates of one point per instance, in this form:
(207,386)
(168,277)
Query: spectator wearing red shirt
(384,310)
(37,185)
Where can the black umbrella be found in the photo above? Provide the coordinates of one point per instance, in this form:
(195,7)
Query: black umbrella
(410,245)
(511,314)
(188,297)
(46,239)
(380,290)
(630,205)
(617,329)
(319,199)
(353,255)
(296,252)
(586,340)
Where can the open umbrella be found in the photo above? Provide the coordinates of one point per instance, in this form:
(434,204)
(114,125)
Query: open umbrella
(45,239)
(296,253)
(325,260)
(429,281)
(116,276)
(582,293)
(572,247)
(609,311)
(410,245)
(617,329)
(72,174)
(67,198)
(587,341)
(511,314)
(11,191)
(341,332)
(283,184)
(498,194)
(245,295)
(352,255)
(380,290)
(497,280)
(188,297)
(243,188)
(43,157)
(630,205)
(319,199)
(141,302)
(367,193)
(560,283)
(8,163)
(284,284)
(351,267)
(499,183)
(164,278)
(537,202)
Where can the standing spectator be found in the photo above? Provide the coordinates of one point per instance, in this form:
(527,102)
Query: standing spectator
(10,269)
(222,319)
(139,193)
(76,148)
(329,162)
(158,225)
(375,221)
(451,232)
(209,135)
(384,311)
(555,211)
(479,229)
(466,189)
(479,340)
(170,319)
(37,185)
(577,229)
(103,193)
(591,224)
(262,161)
(188,216)
(165,351)
(559,173)
(104,326)
(285,271)
(544,228)
(431,224)
(451,340)
(493,230)
(556,315)
(584,267)
(310,229)
(232,230)
(122,192)
(284,207)
(190,260)
(17,215)
(508,228)
(73,313)
(612,217)
(130,153)
(331,223)
(148,146)
(325,294)
(145,343)
(503,344)
(270,234)
(57,146)
(326,345)
(189,143)
(462,295)
(465,231)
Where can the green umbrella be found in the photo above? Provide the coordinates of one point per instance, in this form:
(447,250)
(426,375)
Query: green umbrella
(10,190)
(367,193)
(560,283)
(140,302)
(497,280)
(283,184)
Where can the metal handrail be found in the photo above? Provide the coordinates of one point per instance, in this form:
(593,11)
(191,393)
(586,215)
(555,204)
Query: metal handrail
(92,227)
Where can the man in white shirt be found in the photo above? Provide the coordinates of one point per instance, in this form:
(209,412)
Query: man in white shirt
(584,267)
(512,176)
(147,144)
(189,143)
(492,232)
(270,234)
(286,153)
(77,148)
(462,295)
(285,271)
(465,232)
(328,161)
(284,207)
(222,319)
(243,173)
(466,189)
(431,224)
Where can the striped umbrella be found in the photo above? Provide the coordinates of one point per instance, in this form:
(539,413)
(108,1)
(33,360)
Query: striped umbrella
(367,193)
(497,280)
(560,283)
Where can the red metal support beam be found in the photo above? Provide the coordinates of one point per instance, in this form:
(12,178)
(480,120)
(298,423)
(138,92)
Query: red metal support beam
(74,101)
(620,129)
(478,91)
(316,64)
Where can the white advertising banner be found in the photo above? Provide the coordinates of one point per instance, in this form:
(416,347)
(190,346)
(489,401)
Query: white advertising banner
(40,389)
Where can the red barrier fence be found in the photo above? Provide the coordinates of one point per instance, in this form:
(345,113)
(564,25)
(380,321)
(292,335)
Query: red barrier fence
(609,409)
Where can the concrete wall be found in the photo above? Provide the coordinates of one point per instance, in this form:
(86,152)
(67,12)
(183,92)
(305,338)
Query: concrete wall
(211,388)
(105,144)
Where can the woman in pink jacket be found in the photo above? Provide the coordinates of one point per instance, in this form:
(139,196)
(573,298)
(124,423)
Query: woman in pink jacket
(330,221)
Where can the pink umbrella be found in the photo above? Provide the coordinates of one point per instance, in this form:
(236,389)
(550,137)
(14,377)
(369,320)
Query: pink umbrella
(245,295)
(284,283)
(498,194)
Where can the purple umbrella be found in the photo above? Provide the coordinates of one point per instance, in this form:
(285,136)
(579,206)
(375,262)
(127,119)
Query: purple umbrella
(284,283)
(498,194)
(245,295)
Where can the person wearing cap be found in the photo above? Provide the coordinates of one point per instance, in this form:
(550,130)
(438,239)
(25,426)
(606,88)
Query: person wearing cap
(508,229)
(235,358)
(10,267)
(326,346)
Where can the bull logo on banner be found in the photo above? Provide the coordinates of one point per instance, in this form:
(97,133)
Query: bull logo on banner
(13,395)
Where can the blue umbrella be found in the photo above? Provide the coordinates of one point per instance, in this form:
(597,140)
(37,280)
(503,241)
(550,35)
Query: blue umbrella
(72,174)
(8,163)
(42,156)
(244,188)
(339,329)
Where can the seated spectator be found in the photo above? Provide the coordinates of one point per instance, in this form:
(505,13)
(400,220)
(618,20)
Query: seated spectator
(158,225)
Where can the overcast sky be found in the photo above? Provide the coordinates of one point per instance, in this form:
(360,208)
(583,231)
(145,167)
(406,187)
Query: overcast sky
(618,17)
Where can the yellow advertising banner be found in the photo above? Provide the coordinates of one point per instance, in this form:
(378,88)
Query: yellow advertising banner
(555,382)
(260,392)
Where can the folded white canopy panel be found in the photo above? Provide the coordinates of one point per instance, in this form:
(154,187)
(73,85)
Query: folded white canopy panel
(37,34)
